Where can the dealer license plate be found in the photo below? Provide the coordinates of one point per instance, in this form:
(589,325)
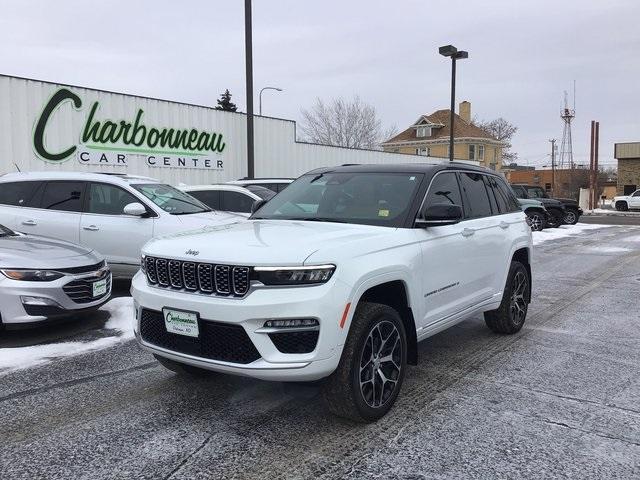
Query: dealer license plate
(181,322)
(99,288)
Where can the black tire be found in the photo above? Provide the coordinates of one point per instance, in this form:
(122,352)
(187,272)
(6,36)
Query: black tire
(537,222)
(183,368)
(571,216)
(622,206)
(512,313)
(344,393)
(556,218)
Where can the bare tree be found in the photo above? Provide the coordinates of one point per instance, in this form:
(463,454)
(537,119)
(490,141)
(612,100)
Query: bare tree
(344,123)
(502,130)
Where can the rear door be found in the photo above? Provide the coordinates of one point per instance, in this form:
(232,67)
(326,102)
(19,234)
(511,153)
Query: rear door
(15,197)
(55,212)
(106,228)
(484,235)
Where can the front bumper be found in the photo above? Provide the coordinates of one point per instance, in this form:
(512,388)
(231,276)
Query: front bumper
(325,303)
(16,311)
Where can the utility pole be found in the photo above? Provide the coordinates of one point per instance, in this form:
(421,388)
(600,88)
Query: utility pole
(593,133)
(595,165)
(454,54)
(248,51)
(553,166)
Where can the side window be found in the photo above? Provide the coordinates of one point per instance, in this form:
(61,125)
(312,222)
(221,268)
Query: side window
(211,198)
(443,189)
(64,196)
(636,194)
(236,202)
(507,193)
(519,191)
(492,198)
(501,200)
(107,199)
(477,199)
(18,194)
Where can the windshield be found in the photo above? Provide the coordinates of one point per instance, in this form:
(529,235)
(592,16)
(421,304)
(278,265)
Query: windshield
(367,198)
(5,232)
(263,193)
(171,200)
(535,192)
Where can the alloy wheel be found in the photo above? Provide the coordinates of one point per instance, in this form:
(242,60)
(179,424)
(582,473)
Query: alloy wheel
(570,218)
(535,221)
(518,306)
(380,364)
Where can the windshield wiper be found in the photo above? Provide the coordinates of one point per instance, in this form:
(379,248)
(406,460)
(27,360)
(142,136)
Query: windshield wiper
(319,219)
(191,213)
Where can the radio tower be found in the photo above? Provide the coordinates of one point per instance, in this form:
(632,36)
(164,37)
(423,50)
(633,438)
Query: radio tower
(566,148)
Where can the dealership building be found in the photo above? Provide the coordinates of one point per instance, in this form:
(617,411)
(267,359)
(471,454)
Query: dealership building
(49,126)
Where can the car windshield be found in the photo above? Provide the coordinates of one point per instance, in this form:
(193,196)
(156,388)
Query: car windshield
(6,232)
(535,192)
(263,193)
(171,200)
(365,198)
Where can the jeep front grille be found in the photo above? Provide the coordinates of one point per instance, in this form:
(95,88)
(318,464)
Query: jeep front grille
(206,278)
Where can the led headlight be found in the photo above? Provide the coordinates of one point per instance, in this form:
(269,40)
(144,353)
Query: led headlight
(291,323)
(294,275)
(32,275)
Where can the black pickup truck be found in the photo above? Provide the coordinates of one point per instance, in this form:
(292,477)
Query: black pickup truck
(564,210)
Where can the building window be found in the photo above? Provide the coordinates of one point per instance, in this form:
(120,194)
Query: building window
(424,132)
(424,151)
(547,187)
(476,152)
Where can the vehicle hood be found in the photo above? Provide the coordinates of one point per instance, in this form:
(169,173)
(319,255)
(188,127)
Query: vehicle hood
(263,242)
(32,251)
(551,202)
(530,202)
(567,201)
(199,220)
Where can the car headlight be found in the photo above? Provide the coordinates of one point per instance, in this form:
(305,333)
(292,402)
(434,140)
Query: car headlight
(310,275)
(32,275)
(143,261)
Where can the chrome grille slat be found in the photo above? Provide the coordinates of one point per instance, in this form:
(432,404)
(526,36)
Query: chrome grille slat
(204,278)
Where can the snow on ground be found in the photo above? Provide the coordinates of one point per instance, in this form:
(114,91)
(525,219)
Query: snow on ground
(121,323)
(563,232)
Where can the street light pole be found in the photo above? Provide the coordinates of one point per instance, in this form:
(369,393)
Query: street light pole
(451,51)
(248,51)
(260,96)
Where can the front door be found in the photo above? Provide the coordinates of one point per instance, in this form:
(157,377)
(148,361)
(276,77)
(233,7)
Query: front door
(107,229)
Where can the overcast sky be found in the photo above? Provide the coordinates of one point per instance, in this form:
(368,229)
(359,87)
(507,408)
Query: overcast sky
(522,56)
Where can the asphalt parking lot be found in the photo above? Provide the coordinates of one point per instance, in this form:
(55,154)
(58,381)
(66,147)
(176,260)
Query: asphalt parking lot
(561,399)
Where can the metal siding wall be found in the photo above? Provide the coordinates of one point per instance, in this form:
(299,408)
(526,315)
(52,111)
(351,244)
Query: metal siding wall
(277,152)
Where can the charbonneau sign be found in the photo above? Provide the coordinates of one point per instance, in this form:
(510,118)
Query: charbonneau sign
(112,142)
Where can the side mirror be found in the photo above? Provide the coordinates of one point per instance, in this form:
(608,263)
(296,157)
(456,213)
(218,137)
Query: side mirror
(440,214)
(257,205)
(135,209)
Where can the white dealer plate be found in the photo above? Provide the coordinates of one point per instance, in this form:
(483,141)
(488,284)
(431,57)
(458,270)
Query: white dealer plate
(99,288)
(181,322)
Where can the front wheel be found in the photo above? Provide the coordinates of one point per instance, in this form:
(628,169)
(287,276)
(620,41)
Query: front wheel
(571,217)
(622,206)
(369,376)
(510,316)
(536,221)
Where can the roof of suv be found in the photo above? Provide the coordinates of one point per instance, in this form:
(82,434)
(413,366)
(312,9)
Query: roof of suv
(115,178)
(425,167)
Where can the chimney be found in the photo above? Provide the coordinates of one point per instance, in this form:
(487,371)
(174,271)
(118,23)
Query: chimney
(465,111)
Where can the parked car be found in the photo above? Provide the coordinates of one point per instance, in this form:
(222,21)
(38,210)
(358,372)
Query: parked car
(388,256)
(229,198)
(561,210)
(112,214)
(43,278)
(624,203)
(538,216)
(275,184)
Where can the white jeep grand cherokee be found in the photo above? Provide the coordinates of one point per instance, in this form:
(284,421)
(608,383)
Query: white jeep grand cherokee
(339,277)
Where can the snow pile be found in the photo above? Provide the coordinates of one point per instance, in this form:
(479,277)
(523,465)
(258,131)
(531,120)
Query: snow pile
(120,322)
(563,232)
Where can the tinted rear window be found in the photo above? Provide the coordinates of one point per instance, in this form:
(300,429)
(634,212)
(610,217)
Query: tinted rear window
(65,196)
(477,204)
(18,193)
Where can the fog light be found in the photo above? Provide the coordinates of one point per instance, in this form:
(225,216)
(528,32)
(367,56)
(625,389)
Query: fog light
(39,301)
(292,323)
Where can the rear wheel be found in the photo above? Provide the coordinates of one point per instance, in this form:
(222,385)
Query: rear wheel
(536,221)
(622,206)
(182,368)
(369,376)
(571,217)
(510,316)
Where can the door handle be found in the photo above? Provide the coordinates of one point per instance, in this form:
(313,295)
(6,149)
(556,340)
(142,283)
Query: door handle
(91,228)
(504,225)
(467,232)
(30,222)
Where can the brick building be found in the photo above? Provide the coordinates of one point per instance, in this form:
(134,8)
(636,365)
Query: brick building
(628,156)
